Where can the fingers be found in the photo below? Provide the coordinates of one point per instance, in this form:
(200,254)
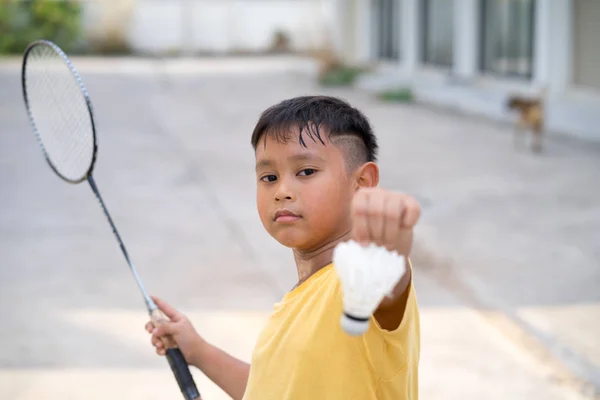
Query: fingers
(158,345)
(155,338)
(360,215)
(392,218)
(381,217)
(162,336)
(164,329)
(156,342)
(412,212)
(376,220)
(169,311)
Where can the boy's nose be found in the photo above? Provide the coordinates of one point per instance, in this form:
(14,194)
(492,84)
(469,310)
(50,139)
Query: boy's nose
(283,193)
(280,195)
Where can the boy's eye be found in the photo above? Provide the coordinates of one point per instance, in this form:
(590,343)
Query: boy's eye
(268,178)
(307,171)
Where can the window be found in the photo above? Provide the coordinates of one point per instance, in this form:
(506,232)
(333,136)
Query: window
(387,29)
(437,18)
(507,37)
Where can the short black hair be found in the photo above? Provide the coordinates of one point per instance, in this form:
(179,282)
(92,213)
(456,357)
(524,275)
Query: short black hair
(310,114)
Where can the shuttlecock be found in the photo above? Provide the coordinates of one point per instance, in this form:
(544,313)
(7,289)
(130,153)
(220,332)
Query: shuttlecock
(367,274)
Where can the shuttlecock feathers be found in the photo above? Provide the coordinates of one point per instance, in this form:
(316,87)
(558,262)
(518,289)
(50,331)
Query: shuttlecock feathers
(367,274)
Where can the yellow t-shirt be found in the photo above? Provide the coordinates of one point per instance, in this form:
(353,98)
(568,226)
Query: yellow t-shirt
(303,353)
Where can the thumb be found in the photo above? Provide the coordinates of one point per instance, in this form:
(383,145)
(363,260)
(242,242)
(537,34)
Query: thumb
(169,311)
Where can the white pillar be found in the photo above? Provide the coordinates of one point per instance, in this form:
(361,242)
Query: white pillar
(560,44)
(410,23)
(541,39)
(363,31)
(466,38)
(187,27)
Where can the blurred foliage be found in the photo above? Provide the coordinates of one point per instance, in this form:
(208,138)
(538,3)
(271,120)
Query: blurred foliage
(399,95)
(112,43)
(341,76)
(23,21)
(281,42)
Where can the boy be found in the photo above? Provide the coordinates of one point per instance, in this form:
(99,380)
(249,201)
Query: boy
(316,187)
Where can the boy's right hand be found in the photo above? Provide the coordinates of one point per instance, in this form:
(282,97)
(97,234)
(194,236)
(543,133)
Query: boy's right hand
(180,329)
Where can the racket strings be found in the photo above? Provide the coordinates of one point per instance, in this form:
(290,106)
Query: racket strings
(60,113)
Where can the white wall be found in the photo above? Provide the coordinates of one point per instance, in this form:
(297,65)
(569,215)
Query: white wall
(224,25)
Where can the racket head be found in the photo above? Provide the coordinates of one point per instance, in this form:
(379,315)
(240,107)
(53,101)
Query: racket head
(59,110)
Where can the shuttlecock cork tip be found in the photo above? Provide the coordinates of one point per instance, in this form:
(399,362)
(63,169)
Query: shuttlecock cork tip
(354,326)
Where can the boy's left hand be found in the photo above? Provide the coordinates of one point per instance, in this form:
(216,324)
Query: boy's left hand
(385,218)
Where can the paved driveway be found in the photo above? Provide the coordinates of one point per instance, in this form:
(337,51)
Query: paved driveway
(507,265)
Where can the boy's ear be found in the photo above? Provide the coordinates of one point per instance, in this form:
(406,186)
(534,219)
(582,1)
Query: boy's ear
(367,175)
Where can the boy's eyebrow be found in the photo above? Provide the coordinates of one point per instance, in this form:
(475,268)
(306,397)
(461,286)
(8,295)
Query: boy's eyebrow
(263,164)
(305,157)
(296,157)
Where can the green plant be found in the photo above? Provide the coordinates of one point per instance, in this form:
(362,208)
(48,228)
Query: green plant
(342,76)
(23,21)
(399,95)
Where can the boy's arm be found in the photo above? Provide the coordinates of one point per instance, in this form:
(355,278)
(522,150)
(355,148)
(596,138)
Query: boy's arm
(229,373)
(390,312)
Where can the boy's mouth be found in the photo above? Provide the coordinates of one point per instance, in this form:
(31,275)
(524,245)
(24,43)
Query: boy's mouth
(284,215)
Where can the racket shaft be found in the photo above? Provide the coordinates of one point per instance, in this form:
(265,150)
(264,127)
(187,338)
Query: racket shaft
(149,302)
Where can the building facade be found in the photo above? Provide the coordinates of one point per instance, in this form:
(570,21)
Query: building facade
(471,54)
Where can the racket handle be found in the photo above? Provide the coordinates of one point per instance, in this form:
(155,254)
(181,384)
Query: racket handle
(177,361)
(182,374)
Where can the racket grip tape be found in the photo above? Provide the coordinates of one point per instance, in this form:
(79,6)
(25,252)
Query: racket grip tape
(182,374)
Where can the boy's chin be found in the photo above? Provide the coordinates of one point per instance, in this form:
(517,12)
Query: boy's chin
(294,242)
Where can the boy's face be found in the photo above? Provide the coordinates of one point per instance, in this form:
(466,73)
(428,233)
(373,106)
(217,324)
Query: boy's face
(303,193)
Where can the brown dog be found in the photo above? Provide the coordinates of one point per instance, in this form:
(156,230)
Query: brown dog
(531,117)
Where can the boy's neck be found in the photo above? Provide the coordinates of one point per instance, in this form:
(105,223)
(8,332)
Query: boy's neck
(309,262)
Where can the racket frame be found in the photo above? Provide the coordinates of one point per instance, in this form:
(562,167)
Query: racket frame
(86,97)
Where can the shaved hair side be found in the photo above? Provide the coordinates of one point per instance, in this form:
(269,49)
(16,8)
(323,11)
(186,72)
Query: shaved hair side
(354,150)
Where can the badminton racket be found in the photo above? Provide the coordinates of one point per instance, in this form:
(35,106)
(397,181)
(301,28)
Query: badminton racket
(60,113)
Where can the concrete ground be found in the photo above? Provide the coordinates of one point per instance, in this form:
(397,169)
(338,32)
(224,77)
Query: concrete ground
(507,264)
